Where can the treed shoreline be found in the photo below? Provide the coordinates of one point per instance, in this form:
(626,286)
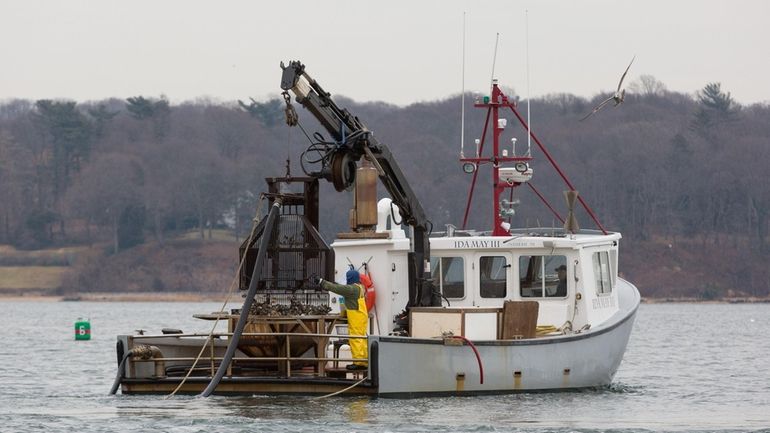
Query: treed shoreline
(682,177)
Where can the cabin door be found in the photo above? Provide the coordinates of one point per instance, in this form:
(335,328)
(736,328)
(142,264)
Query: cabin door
(493,278)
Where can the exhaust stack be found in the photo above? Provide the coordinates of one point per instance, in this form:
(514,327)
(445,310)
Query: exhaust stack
(363,216)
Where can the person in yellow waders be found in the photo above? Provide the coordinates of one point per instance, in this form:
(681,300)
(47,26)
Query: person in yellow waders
(358,316)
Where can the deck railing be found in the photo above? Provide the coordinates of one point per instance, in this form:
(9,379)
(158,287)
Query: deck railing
(322,342)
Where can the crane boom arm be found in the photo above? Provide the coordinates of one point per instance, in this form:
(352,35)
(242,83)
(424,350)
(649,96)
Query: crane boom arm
(354,140)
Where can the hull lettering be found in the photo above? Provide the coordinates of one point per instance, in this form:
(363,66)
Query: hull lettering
(478,244)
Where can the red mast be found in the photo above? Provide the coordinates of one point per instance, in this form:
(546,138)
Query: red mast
(508,172)
(503,177)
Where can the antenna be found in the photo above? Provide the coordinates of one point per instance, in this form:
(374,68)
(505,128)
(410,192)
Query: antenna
(462,100)
(529,121)
(494,58)
(571,223)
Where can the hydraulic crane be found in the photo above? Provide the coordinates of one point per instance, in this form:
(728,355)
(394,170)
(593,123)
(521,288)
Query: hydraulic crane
(352,140)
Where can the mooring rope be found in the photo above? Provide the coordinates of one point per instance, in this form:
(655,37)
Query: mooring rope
(257,217)
(342,390)
(232,345)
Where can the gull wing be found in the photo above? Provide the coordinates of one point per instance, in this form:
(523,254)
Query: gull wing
(598,107)
(624,74)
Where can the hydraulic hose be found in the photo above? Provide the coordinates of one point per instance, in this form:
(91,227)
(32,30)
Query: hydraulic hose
(121,372)
(144,352)
(267,233)
(478,357)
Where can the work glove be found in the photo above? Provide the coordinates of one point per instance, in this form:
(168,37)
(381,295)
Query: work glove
(316,280)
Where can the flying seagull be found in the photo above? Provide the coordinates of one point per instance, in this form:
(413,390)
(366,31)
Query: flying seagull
(617,97)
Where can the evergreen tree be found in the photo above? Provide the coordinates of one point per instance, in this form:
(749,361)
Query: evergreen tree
(68,137)
(158,111)
(270,113)
(140,107)
(714,107)
(101,116)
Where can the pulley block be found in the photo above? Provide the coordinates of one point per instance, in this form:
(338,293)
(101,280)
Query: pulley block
(343,174)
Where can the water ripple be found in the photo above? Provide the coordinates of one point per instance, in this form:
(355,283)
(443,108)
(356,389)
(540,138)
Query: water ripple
(688,367)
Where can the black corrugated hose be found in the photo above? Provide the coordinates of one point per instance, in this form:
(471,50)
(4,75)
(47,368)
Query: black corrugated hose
(121,370)
(267,233)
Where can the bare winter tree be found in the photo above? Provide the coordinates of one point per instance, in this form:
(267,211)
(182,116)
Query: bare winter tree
(668,166)
(105,191)
(647,85)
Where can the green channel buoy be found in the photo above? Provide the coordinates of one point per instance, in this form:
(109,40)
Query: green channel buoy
(82,329)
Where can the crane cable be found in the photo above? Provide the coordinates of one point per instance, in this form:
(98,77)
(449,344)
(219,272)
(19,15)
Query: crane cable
(318,144)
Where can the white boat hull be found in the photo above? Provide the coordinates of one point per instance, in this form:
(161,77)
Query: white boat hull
(408,367)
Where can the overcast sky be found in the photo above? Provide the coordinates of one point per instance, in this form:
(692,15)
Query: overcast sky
(394,51)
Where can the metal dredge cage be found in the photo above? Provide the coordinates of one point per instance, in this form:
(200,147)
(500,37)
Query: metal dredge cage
(296,251)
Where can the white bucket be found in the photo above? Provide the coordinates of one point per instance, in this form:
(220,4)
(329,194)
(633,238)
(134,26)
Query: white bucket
(344,352)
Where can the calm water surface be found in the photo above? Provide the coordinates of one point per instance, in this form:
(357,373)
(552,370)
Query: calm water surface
(688,367)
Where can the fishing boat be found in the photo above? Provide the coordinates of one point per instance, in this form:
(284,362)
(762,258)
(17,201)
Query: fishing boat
(457,312)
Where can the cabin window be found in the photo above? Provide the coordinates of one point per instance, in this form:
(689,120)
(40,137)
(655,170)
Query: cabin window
(614,265)
(449,274)
(493,276)
(602,272)
(539,276)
